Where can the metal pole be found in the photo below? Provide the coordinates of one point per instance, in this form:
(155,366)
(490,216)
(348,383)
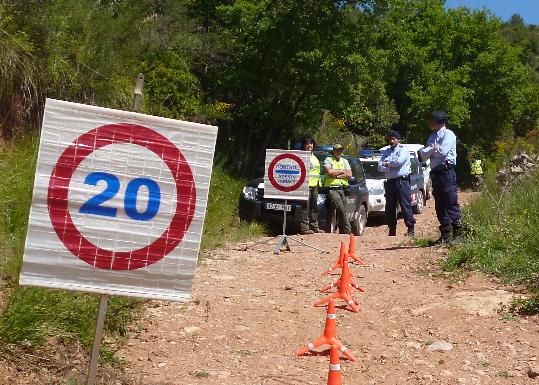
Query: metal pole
(138,92)
(104,299)
(284,217)
(92,372)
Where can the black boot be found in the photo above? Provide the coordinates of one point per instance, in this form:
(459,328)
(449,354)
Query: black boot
(443,240)
(457,234)
(410,233)
(392,232)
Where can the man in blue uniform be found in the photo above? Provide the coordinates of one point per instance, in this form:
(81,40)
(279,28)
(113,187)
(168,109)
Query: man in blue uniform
(395,163)
(441,149)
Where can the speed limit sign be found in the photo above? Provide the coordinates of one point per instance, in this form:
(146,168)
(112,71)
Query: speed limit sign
(119,202)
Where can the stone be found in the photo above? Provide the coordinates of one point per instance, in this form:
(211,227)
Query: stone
(533,372)
(446,373)
(414,345)
(191,330)
(241,328)
(440,346)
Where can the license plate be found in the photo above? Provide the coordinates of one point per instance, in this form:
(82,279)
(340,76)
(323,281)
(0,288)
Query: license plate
(277,206)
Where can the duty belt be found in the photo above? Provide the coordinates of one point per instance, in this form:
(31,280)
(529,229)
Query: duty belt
(402,177)
(442,167)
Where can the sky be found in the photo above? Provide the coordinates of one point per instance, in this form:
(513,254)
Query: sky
(528,9)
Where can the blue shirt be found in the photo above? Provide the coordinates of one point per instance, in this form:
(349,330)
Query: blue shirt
(447,151)
(398,158)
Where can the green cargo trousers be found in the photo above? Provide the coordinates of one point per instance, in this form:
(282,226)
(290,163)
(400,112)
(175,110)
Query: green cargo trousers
(337,201)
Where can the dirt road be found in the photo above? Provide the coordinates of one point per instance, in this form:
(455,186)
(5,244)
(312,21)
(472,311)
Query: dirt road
(252,309)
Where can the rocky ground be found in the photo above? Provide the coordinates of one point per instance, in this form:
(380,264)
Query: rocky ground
(252,309)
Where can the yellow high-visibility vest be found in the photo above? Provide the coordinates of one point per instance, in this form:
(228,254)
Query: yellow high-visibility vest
(476,168)
(336,165)
(314,172)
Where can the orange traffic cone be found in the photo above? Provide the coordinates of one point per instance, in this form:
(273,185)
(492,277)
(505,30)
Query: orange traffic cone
(352,250)
(338,282)
(330,335)
(334,374)
(344,292)
(338,264)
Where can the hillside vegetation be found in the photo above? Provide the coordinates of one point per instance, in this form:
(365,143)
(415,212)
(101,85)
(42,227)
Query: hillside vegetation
(501,227)
(267,71)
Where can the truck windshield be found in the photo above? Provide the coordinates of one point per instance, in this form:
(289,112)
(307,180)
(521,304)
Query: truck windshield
(371,170)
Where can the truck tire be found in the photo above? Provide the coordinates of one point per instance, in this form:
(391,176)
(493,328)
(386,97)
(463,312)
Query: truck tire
(360,221)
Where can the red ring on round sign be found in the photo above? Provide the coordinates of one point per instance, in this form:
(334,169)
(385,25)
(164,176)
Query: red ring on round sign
(71,158)
(296,185)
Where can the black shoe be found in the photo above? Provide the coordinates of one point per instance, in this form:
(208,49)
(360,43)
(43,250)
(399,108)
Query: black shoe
(443,240)
(392,232)
(410,233)
(307,232)
(457,240)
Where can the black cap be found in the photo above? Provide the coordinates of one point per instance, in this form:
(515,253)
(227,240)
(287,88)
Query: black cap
(438,117)
(394,134)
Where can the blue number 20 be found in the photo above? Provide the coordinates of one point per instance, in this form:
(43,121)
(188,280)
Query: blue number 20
(95,206)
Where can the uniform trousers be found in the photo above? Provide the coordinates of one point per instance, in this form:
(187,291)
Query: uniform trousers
(398,191)
(338,202)
(444,190)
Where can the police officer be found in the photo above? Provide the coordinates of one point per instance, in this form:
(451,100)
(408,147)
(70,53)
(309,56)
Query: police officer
(395,163)
(309,212)
(338,172)
(441,149)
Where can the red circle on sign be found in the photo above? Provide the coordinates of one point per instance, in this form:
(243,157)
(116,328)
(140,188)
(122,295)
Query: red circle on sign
(295,186)
(71,158)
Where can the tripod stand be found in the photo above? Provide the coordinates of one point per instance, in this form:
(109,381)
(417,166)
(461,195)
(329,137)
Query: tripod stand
(283,238)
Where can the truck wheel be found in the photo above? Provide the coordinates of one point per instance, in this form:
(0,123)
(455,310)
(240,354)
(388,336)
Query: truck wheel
(418,208)
(359,223)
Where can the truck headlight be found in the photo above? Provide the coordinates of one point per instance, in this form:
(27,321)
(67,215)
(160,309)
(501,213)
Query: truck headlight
(376,190)
(249,193)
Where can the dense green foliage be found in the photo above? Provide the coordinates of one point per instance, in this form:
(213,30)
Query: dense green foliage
(267,71)
(501,230)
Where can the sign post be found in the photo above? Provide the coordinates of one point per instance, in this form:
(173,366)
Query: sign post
(96,348)
(104,298)
(286,178)
(118,205)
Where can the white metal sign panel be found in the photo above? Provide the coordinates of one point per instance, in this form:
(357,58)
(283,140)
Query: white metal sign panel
(119,202)
(287,174)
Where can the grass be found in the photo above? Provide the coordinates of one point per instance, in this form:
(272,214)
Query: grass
(222,222)
(502,238)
